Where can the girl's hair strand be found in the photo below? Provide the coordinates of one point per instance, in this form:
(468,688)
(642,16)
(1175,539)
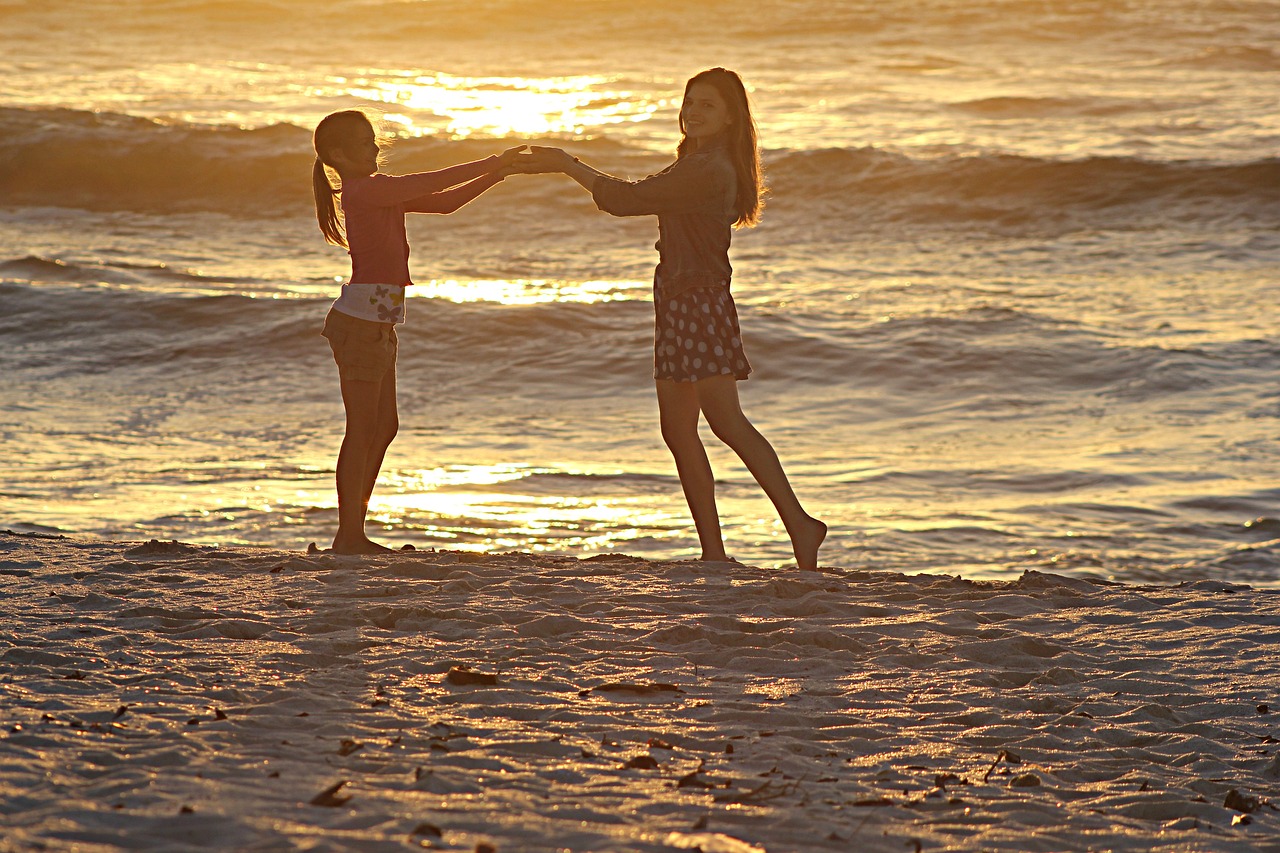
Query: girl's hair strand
(742,142)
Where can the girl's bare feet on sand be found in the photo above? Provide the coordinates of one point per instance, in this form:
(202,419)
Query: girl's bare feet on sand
(806,541)
(370,548)
(363,545)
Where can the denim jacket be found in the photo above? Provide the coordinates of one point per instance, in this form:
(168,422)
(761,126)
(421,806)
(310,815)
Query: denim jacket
(693,199)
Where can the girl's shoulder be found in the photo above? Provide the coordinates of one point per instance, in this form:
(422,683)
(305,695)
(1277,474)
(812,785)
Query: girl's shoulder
(363,182)
(706,160)
(376,190)
(354,187)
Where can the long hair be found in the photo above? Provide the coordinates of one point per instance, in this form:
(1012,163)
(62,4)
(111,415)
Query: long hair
(334,132)
(744,149)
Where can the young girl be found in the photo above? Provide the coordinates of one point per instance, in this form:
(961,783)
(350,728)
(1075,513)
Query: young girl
(361,323)
(714,185)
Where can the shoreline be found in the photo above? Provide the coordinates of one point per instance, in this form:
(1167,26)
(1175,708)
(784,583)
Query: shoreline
(161,694)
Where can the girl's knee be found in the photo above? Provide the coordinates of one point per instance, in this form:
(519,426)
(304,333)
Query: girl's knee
(388,431)
(679,434)
(730,428)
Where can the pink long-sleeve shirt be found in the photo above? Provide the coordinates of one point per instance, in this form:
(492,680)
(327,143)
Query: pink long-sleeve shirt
(374,206)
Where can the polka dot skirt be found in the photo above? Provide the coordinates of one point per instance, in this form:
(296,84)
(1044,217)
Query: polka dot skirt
(696,336)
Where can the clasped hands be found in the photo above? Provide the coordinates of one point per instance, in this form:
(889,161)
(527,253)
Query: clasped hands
(537,160)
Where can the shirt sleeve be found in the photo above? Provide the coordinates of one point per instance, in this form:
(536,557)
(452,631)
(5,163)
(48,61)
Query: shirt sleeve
(683,185)
(394,190)
(447,201)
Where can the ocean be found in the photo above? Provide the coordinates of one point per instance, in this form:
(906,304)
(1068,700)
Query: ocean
(1011,305)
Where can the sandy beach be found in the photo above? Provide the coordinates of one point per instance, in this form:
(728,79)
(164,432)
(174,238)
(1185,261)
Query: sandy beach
(1006,313)
(168,696)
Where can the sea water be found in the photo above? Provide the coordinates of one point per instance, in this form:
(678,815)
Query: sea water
(1011,306)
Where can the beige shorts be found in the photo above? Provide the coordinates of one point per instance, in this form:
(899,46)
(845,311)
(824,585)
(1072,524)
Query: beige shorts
(363,349)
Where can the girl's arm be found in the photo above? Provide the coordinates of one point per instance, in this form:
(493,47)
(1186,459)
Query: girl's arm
(546,160)
(584,174)
(451,199)
(684,184)
(389,190)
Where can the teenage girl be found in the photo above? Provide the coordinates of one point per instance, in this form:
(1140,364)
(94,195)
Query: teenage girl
(714,185)
(361,323)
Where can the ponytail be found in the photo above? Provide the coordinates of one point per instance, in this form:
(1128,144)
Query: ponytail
(331,225)
(334,132)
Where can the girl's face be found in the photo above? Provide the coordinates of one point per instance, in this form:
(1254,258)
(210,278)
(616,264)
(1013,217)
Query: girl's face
(361,153)
(704,112)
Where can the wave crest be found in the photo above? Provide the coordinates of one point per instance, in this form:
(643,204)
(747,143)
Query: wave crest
(104,161)
(1012,189)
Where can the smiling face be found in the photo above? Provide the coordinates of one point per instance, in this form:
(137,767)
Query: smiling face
(704,113)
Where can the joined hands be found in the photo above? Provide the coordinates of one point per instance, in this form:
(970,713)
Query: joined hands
(507,159)
(539,160)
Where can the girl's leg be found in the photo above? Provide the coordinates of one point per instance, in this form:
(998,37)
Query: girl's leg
(368,434)
(718,400)
(384,432)
(678,412)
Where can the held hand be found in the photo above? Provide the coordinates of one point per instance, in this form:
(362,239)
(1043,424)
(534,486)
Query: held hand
(551,159)
(539,160)
(506,158)
(523,164)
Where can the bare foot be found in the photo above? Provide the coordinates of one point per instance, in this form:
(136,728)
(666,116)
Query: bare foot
(363,545)
(806,541)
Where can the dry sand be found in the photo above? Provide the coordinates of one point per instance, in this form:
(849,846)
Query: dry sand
(170,696)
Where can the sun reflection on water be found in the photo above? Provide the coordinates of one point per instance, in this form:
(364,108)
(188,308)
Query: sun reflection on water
(498,106)
(526,291)
(445,507)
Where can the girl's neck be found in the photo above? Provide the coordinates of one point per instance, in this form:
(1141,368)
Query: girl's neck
(704,142)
